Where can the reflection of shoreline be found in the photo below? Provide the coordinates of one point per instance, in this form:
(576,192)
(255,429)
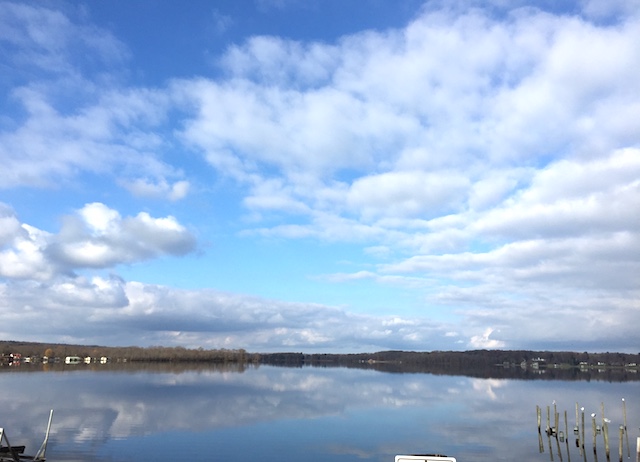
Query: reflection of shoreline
(138,366)
(500,372)
(214,403)
(491,372)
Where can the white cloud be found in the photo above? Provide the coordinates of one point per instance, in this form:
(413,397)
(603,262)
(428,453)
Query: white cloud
(97,293)
(484,342)
(143,187)
(99,218)
(221,22)
(74,117)
(416,122)
(96,237)
(345,277)
(9,225)
(276,61)
(494,187)
(274,195)
(48,40)
(242,126)
(99,238)
(610,9)
(572,198)
(103,137)
(407,194)
(157,314)
(23,259)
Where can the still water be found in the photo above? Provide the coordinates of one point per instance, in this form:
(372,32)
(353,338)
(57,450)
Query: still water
(311,414)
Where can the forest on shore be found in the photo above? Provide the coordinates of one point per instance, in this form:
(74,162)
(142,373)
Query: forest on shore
(383,360)
(499,364)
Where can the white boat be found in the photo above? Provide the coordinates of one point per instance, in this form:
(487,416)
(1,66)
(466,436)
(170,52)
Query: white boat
(425,458)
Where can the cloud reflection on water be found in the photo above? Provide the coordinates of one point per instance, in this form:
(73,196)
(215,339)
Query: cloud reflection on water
(354,413)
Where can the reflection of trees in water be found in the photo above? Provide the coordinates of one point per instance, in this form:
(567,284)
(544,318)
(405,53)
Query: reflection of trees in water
(472,370)
(612,367)
(137,366)
(511,372)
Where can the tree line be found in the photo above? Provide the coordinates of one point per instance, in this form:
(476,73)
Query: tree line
(469,358)
(130,353)
(433,361)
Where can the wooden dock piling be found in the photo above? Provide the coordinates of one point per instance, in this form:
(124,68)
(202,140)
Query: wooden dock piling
(539,417)
(566,433)
(605,432)
(620,443)
(593,429)
(624,413)
(582,433)
(554,429)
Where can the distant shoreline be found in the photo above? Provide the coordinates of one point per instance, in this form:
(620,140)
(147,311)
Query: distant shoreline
(34,352)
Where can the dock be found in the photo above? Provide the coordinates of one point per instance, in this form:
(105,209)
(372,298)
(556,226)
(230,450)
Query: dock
(598,434)
(9,453)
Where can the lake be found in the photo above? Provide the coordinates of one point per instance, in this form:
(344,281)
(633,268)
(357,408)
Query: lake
(266,413)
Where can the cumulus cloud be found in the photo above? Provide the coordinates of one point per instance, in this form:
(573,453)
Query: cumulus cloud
(112,310)
(98,237)
(97,292)
(484,342)
(95,237)
(457,110)
(507,167)
(22,255)
(9,224)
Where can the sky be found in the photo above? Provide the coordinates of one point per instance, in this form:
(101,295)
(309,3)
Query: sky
(321,175)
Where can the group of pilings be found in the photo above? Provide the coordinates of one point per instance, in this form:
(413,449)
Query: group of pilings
(553,431)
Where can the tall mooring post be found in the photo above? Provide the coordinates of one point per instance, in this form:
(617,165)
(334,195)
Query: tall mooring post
(624,413)
(593,428)
(582,432)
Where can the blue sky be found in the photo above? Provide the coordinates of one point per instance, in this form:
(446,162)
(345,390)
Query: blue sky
(321,176)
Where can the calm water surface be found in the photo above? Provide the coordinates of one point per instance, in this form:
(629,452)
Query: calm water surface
(312,414)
